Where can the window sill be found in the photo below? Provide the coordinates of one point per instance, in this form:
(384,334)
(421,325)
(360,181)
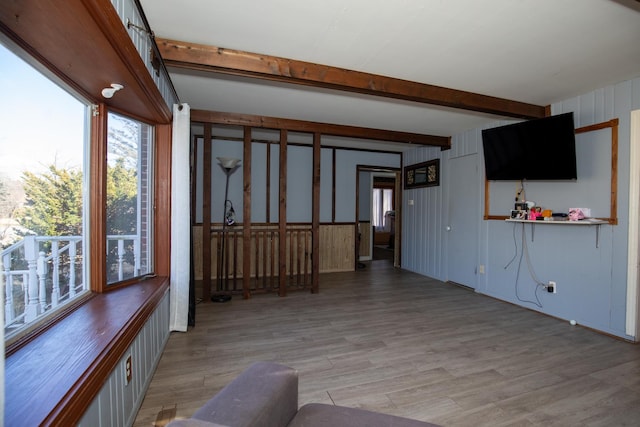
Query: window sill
(14,342)
(53,378)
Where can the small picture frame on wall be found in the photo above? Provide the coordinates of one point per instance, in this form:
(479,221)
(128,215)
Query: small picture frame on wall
(426,174)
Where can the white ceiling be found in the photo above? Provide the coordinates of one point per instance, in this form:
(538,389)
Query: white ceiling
(533,51)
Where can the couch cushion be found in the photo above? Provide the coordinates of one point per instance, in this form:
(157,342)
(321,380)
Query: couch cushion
(322,415)
(264,395)
(190,422)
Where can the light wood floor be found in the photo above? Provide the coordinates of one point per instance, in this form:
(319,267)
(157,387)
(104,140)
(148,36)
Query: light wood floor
(400,343)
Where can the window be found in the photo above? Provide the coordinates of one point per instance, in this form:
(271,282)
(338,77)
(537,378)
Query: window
(129,196)
(382,204)
(43,194)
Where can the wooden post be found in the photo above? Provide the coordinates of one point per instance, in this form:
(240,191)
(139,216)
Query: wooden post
(246,216)
(315,216)
(282,215)
(206,215)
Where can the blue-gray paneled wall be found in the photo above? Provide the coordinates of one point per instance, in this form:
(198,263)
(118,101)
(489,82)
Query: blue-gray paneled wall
(299,184)
(364,195)
(299,180)
(117,403)
(346,165)
(423,219)
(592,281)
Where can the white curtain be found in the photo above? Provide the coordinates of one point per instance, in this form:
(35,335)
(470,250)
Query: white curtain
(376,212)
(382,203)
(180,219)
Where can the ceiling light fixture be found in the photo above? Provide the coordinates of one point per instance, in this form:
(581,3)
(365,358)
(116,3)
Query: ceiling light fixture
(108,92)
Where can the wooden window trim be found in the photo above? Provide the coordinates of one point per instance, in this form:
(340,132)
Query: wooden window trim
(54,378)
(53,374)
(97,202)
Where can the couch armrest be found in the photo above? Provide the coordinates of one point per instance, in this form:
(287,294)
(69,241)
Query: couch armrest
(265,394)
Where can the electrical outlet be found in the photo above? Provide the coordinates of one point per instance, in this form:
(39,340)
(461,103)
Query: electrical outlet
(481,269)
(128,371)
(552,287)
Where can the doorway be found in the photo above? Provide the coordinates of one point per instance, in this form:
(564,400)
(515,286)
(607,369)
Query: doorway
(383,220)
(377,211)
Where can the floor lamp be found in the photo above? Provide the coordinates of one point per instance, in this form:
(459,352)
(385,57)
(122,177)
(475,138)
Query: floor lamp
(229,165)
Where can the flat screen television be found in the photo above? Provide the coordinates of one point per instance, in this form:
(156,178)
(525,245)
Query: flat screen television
(539,149)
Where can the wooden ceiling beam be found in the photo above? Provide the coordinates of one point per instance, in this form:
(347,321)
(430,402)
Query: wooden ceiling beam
(235,62)
(203,116)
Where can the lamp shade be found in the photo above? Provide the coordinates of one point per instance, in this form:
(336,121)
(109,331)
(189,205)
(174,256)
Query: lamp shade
(228,162)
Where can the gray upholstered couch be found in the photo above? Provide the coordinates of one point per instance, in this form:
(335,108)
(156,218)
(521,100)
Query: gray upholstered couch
(266,395)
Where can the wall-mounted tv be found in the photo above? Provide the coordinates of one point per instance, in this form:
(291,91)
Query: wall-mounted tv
(539,149)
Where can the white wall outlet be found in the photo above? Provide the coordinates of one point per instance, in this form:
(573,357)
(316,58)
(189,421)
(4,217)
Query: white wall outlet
(410,202)
(481,269)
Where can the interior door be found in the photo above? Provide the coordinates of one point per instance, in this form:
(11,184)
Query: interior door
(464,219)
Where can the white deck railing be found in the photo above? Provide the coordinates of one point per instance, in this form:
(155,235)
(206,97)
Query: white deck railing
(39,273)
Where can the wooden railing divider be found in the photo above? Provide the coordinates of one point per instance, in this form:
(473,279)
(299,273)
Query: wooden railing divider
(264,252)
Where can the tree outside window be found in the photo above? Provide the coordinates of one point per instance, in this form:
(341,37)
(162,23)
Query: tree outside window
(43,197)
(129,178)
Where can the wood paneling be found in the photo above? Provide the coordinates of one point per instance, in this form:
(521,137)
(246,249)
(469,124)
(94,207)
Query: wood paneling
(337,243)
(228,61)
(365,239)
(334,242)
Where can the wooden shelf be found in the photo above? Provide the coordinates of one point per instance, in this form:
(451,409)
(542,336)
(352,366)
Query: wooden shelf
(587,222)
(582,222)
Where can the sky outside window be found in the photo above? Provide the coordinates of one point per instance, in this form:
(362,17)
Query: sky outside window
(40,123)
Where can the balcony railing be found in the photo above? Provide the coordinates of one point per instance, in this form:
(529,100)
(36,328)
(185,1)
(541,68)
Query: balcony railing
(40,273)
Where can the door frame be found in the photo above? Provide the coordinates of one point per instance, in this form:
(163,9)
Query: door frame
(387,171)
